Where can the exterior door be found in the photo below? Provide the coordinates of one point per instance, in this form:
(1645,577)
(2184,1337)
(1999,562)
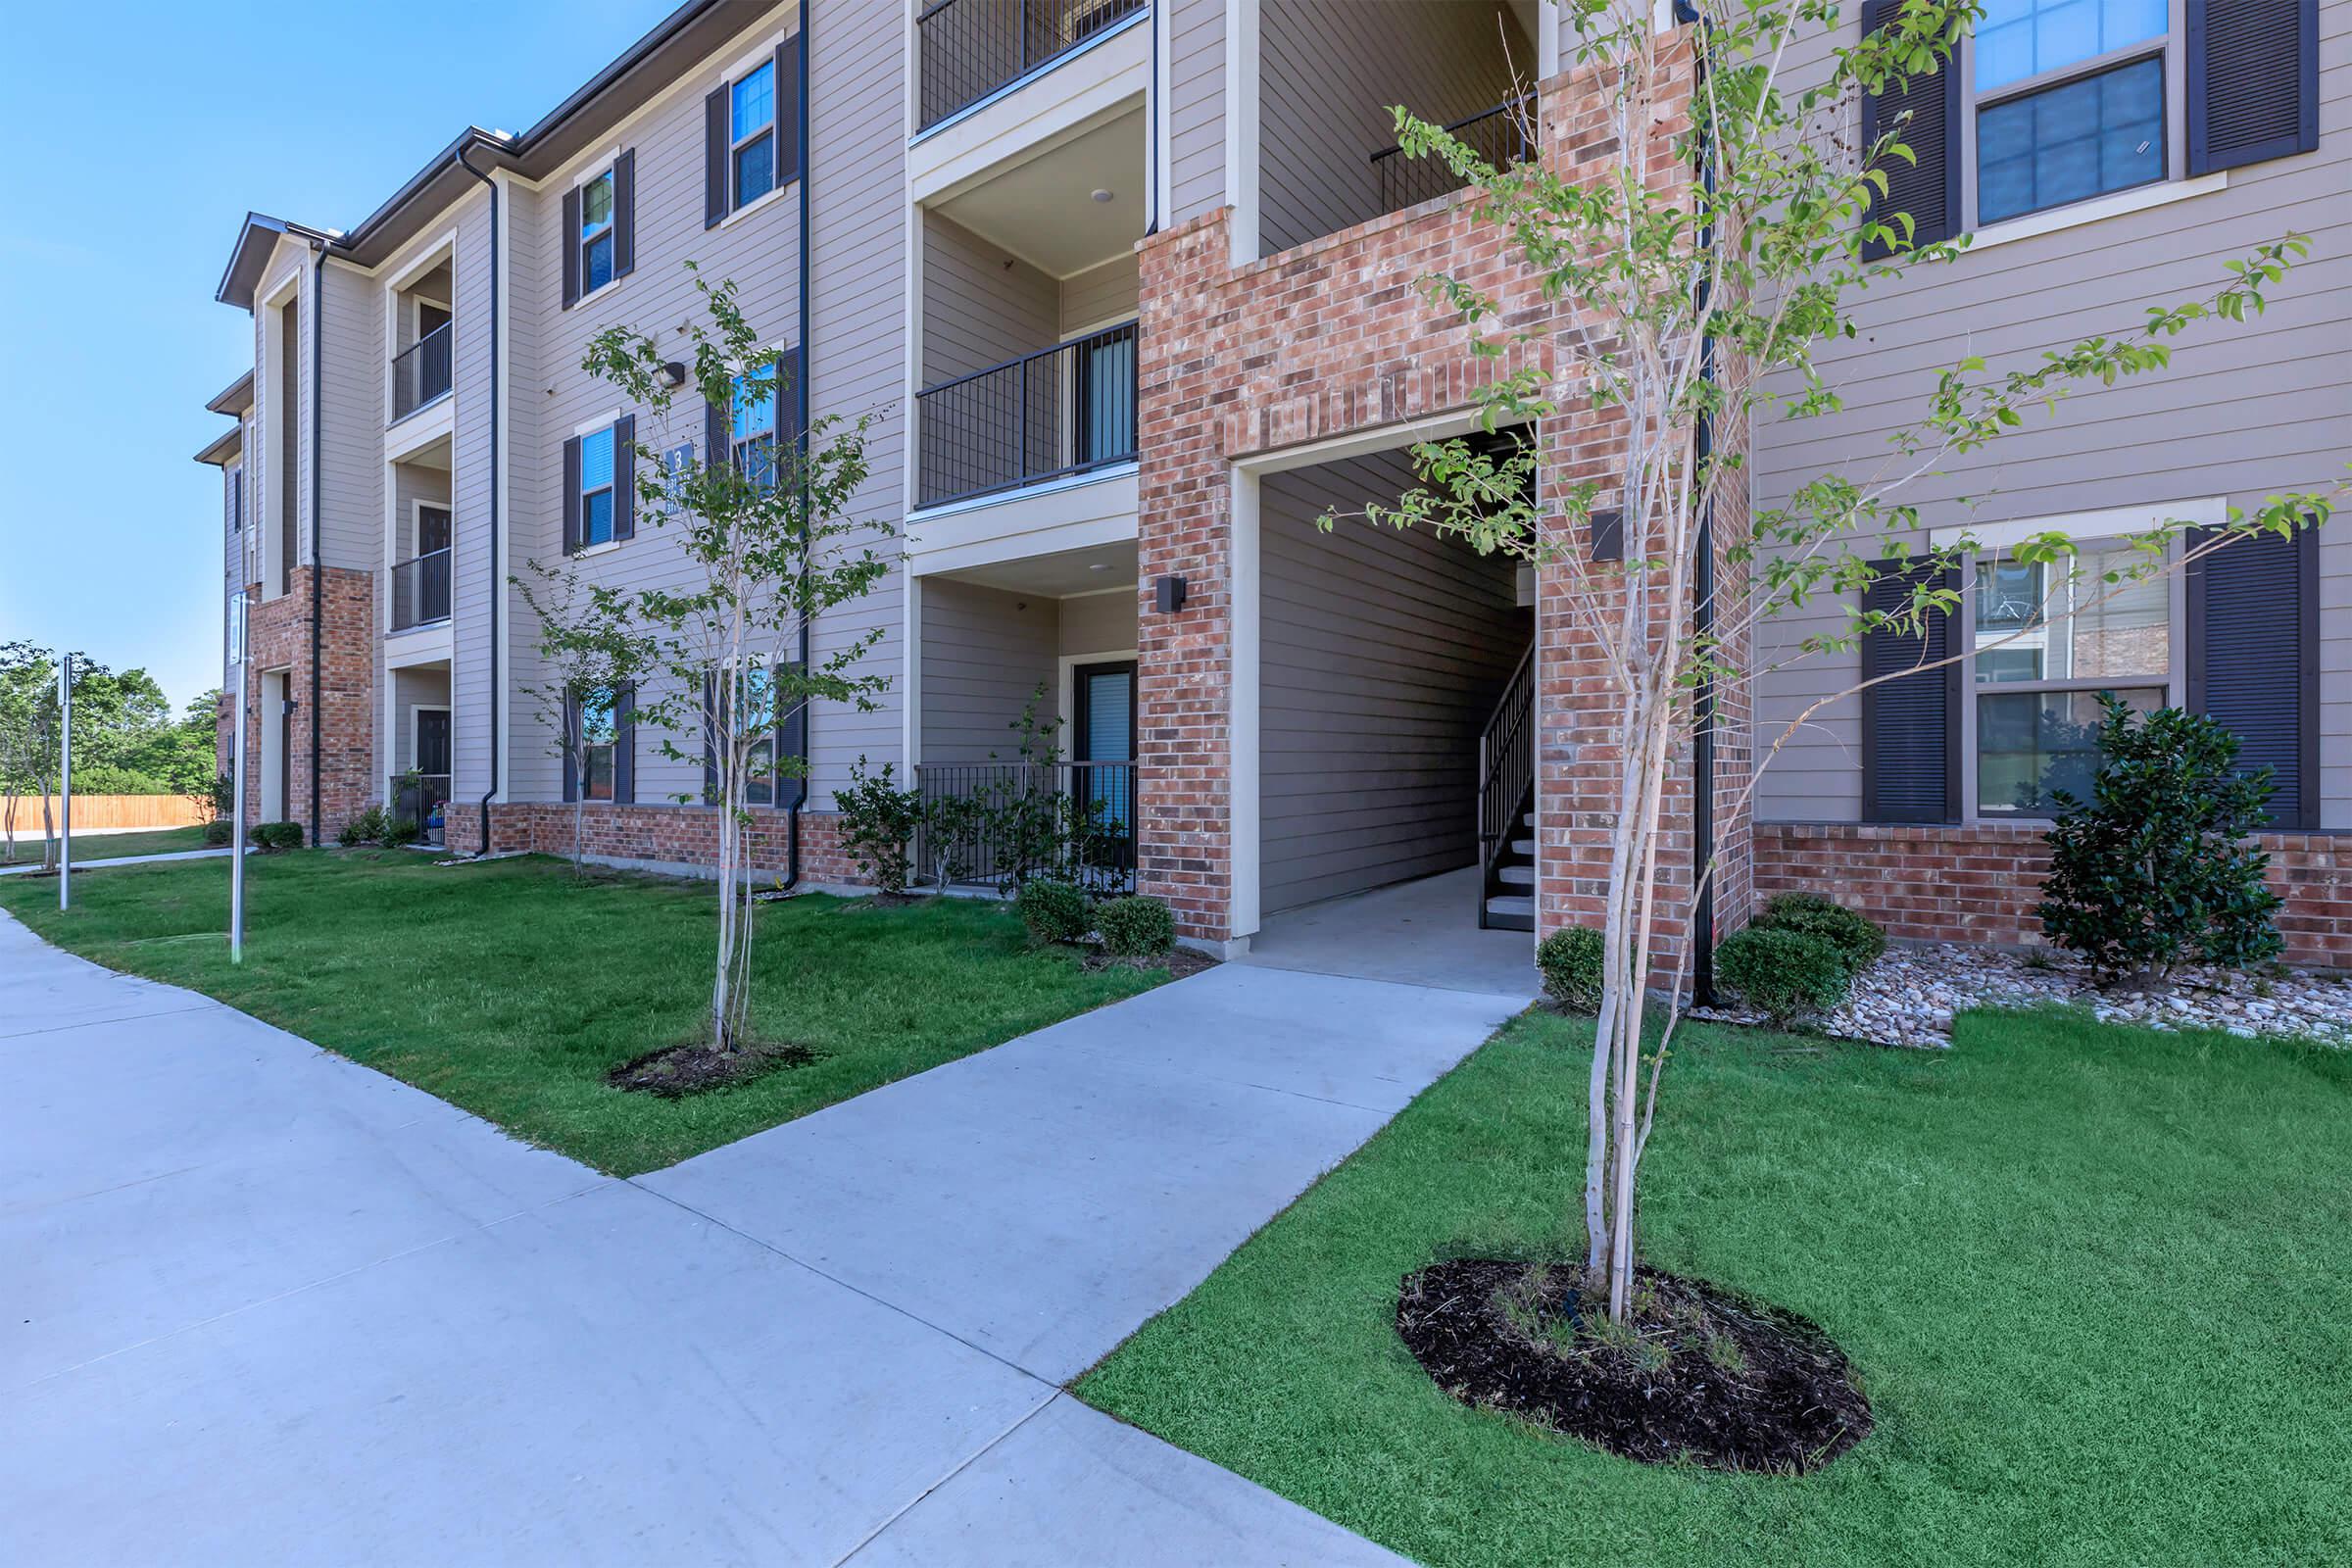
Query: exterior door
(1102,732)
(432,742)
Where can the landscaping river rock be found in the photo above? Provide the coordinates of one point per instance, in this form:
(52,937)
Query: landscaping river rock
(1909,996)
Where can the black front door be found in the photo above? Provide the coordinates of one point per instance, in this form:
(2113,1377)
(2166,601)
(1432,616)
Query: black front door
(432,741)
(1102,732)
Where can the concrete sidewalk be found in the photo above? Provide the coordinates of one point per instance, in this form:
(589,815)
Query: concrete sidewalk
(263,1305)
(81,864)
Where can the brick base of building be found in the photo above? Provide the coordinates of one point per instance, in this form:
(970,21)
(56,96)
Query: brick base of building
(1980,884)
(660,835)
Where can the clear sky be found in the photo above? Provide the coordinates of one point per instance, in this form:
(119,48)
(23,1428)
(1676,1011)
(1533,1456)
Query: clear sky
(138,139)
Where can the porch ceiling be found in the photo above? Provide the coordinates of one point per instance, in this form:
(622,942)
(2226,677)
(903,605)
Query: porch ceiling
(1060,575)
(1043,211)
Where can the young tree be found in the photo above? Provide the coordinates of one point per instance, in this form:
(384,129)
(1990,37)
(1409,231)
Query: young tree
(765,528)
(32,731)
(1691,292)
(589,655)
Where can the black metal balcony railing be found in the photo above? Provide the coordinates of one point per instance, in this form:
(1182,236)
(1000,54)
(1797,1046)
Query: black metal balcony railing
(421,799)
(1000,822)
(421,589)
(1060,410)
(420,372)
(1497,134)
(972,47)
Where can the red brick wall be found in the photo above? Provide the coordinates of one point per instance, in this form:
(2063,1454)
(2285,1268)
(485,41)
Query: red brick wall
(1332,338)
(278,637)
(1980,884)
(679,834)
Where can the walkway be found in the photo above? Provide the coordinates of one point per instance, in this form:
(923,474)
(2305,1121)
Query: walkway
(262,1304)
(1422,933)
(81,864)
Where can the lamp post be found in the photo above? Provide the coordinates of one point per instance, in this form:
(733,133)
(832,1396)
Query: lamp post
(236,809)
(65,781)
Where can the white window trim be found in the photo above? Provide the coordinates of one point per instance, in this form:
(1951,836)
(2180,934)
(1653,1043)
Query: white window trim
(1069,682)
(2139,199)
(578,238)
(2172,45)
(2087,529)
(775,194)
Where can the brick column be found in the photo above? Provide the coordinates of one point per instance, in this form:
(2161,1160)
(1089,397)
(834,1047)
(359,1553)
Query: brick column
(278,637)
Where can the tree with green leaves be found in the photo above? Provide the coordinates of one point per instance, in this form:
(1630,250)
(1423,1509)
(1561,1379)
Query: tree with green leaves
(590,657)
(1700,302)
(764,534)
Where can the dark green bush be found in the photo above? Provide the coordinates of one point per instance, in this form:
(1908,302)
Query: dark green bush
(878,820)
(366,828)
(2156,868)
(218,831)
(1135,927)
(1784,974)
(1054,910)
(1851,933)
(1570,962)
(273,836)
(399,833)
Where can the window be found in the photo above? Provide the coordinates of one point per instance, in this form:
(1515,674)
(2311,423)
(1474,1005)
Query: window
(597,721)
(755,720)
(2045,639)
(752,134)
(752,439)
(236,497)
(596,488)
(2071,101)
(596,236)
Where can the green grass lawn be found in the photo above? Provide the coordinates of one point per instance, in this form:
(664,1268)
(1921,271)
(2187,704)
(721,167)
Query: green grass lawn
(510,988)
(91,848)
(2097,1283)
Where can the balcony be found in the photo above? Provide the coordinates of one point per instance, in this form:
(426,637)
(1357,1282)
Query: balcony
(421,589)
(971,48)
(420,373)
(1498,135)
(421,799)
(1063,411)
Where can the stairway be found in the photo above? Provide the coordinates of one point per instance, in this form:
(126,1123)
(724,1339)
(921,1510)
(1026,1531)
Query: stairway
(1510,886)
(1507,806)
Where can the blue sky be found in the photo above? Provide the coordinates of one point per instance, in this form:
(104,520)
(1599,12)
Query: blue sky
(137,137)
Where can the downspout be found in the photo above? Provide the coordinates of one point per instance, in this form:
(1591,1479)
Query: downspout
(497,586)
(799,799)
(1702,616)
(318,521)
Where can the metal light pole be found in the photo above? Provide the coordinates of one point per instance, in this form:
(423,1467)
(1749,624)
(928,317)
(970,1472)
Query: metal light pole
(236,832)
(65,781)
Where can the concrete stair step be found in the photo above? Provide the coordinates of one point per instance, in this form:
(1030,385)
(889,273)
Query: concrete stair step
(1512,903)
(1518,876)
(1526,846)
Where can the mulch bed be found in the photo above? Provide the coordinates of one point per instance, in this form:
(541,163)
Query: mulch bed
(1180,962)
(676,1071)
(1701,1376)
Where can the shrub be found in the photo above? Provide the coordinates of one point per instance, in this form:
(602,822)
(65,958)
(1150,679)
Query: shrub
(1135,927)
(399,833)
(1852,934)
(878,820)
(366,828)
(274,835)
(1570,959)
(1054,910)
(218,831)
(1784,974)
(2155,869)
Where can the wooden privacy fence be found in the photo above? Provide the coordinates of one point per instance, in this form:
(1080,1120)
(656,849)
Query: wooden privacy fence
(108,811)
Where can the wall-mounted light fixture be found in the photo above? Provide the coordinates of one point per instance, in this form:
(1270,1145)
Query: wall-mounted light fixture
(1170,592)
(673,374)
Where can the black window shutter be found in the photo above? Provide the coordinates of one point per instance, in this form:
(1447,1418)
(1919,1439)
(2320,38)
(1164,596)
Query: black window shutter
(571,495)
(1929,188)
(2253,82)
(714,157)
(624,477)
(624,214)
(2252,657)
(624,745)
(792,740)
(572,747)
(792,416)
(1910,724)
(789,86)
(572,247)
(709,739)
(717,427)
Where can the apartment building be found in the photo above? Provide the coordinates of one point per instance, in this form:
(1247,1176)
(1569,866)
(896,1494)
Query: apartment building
(1129,286)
